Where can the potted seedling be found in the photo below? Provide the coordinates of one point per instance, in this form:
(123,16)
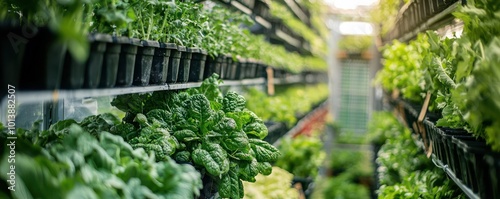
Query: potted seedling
(110,18)
(161,57)
(49,27)
(185,21)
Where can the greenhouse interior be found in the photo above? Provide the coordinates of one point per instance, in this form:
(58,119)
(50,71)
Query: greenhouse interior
(253,99)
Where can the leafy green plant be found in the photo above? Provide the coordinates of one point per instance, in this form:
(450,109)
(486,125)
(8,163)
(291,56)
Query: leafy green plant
(422,184)
(302,156)
(342,186)
(81,165)
(405,171)
(282,106)
(214,132)
(113,17)
(475,96)
(392,170)
(275,185)
(402,68)
(458,72)
(383,126)
(481,98)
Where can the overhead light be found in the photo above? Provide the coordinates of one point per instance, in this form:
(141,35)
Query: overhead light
(355,28)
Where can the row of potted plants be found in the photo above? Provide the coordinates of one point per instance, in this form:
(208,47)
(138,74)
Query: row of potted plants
(460,74)
(404,170)
(50,45)
(291,25)
(470,159)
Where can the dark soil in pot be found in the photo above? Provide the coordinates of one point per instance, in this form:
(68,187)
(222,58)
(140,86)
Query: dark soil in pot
(143,62)
(185,65)
(197,69)
(128,55)
(159,69)
(174,62)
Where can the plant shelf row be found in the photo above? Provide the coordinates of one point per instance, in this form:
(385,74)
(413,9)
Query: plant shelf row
(54,95)
(467,160)
(123,62)
(421,15)
(319,112)
(275,28)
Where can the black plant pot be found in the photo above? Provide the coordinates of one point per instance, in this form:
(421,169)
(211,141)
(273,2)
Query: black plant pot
(447,135)
(240,69)
(159,69)
(477,171)
(212,65)
(76,72)
(307,184)
(255,70)
(94,64)
(197,69)
(251,65)
(233,69)
(185,65)
(73,72)
(143,62)
(223,67)
(110,63)
(493,161)
(12,46)
(261,70)
(449,145)
(43,61)
(227,67)
(126,65)
(174,62)
(456,157)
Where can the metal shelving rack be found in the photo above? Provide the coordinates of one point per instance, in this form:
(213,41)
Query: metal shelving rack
(53,100)
(452,176)
(467,190)
(265,23)
(54,95)
(448,172)
(422,15)
(304,121)
(414,18)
